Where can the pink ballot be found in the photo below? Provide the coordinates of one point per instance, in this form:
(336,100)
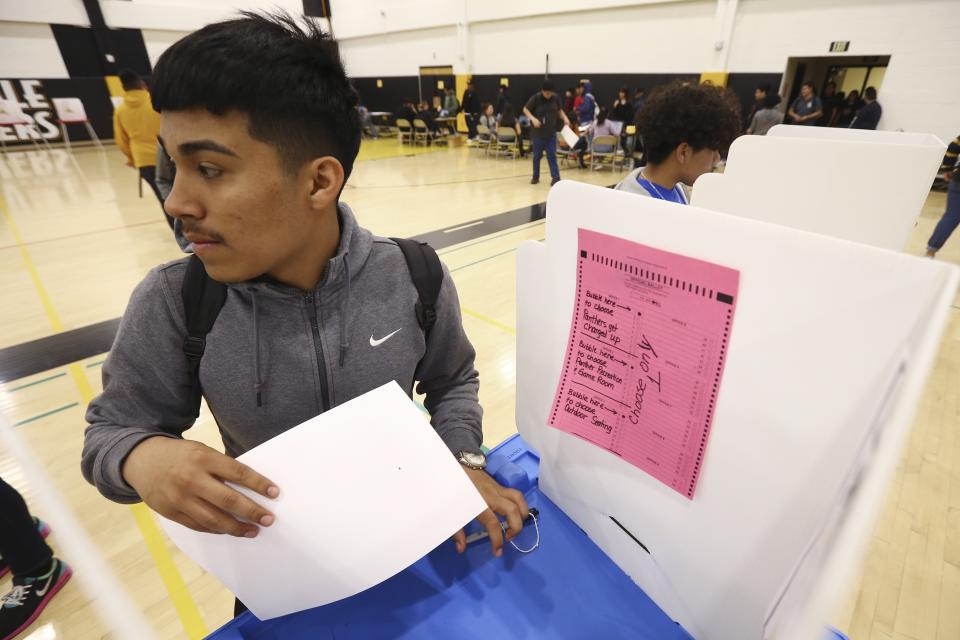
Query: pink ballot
(645,357)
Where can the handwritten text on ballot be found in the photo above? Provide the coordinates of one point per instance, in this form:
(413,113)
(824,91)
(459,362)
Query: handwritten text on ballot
(645,355)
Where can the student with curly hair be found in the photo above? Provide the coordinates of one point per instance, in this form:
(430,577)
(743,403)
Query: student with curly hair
(684,130)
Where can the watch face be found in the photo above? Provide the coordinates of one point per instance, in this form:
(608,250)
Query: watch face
(473,459)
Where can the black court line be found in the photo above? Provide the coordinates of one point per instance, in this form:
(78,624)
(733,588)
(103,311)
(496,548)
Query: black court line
(473,229)
(29,358)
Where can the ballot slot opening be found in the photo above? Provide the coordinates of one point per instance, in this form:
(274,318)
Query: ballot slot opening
(632,537)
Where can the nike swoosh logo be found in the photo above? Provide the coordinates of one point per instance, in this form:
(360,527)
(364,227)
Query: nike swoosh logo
(42,592)
(377,343)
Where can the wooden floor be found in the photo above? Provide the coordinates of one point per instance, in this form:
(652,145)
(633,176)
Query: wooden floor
(75,239)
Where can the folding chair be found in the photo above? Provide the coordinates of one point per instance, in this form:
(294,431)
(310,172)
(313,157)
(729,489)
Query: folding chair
(604,146)
(404,131)
(420,132)
(506,142)
(484,138)
(566,154)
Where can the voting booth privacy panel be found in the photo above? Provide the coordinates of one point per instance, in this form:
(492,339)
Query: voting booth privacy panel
(865,186)
(827,357)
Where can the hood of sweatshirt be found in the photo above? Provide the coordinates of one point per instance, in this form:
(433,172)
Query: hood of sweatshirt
(136,98)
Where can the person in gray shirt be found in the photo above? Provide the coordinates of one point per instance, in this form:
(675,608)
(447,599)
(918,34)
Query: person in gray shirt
(318,310)
(807,108)
(766,117)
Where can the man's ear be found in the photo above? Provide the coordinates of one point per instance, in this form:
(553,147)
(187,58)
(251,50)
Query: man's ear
(323,179)
(683,152)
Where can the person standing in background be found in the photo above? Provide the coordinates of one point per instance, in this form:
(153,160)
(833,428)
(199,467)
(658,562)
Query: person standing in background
(37,574)
(869,115)
(135,129)
(503,99)
(577,99)
(587,110)
(768,116)
(622,110)
(471,109)
(639,99)
(807,108)
(450,103)
(568,99)
(951,215)
(831,105)
(848,109)
(759,96)
(545,112)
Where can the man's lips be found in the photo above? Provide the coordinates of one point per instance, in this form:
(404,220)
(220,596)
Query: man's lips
(198,239)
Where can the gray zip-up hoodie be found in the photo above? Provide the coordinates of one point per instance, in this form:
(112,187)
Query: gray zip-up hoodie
(278,356)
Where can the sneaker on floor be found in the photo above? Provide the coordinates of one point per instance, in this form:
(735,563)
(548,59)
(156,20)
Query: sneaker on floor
(534,180)
(554,181)
(29,597)
(42,528)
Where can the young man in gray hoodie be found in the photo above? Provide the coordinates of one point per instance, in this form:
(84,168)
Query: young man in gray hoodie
(261,121)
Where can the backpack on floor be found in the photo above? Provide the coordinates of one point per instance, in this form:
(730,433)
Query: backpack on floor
(203,297)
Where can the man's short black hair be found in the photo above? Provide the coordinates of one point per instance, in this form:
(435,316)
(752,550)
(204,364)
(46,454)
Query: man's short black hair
(130,80)
(870,93)
(703,116)
(809,84)
(546,85)
(285,76)
(763,86)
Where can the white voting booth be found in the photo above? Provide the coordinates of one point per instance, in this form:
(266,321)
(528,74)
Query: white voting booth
(12,115)
(71,111)
(865,186)
(829,350)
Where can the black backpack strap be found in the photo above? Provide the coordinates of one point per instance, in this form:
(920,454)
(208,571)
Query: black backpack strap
(427,275)
(203,297)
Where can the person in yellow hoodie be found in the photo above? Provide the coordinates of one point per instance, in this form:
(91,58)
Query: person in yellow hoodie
(135,129)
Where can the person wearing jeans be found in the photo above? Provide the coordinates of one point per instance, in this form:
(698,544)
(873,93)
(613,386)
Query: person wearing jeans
(544,111)
(949,221)
(37,574)
(951,216)
(548,145)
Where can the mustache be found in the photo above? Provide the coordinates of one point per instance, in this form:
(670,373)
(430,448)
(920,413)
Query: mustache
(200,231)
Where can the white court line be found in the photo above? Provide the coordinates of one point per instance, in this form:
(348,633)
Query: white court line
(464,226)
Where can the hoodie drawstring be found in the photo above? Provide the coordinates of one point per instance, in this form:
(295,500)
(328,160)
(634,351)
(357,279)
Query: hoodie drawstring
(344,312)
(257,384)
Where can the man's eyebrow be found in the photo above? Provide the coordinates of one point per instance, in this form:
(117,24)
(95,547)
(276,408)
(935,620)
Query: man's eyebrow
(189,148)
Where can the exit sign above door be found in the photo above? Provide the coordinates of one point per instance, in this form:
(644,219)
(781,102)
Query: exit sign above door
(840,46)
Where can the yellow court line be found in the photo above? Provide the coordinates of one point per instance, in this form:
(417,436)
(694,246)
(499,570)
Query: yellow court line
(489,320)
(176,587)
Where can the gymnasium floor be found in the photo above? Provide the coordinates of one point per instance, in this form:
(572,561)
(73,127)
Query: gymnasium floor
(75,239)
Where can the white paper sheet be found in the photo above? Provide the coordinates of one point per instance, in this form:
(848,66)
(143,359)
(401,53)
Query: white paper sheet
(366,490)
(569,136)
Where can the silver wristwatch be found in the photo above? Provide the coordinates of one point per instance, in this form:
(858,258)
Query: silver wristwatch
(472,460)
